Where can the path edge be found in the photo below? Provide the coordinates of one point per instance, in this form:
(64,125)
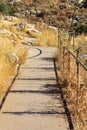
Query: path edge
(2,100)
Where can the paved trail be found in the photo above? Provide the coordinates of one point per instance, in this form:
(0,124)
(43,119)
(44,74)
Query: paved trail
(34,101)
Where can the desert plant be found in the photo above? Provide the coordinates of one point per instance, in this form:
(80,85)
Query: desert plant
(81,29)
(13,10)
(4,8)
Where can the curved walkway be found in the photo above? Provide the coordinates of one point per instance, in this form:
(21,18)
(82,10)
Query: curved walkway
(34,101)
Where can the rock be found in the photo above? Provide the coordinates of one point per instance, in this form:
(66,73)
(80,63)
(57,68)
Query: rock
(10,2)
(83,4)
(29,41)
(32,12)
(9,18)
(20,26)
(19,15)
(25,13)
(27,27)
(62,6)
(13,2)
(53,28)
(31,28)
(39,13)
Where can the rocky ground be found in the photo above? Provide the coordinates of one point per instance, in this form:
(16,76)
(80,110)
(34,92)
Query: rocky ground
(18,30)
(53,12)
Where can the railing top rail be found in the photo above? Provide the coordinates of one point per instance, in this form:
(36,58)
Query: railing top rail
(76,58)
(66,33)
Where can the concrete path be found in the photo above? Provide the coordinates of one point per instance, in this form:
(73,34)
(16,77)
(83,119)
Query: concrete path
(34,101)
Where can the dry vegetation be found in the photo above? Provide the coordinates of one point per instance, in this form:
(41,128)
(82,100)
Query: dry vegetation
(12,54)
(74,86)
(10,58)
(48,35)
(75,95)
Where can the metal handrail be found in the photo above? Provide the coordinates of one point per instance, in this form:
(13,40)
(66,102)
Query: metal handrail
(76,58)
(61,45)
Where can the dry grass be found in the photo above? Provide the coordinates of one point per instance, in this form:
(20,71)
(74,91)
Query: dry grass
(73,43)
(48,36)
(74,89)
(12,53)
(8,65)
(74,94)
(79,39)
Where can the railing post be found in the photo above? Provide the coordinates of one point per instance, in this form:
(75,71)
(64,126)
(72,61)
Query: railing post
(61,45)
(73,39)
(58,39)
(78,83)
(63,57)
(78,68)
(69,62)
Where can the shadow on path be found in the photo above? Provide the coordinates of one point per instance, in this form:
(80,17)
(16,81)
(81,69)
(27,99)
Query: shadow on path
(64,101)
(52,91)
(31,112)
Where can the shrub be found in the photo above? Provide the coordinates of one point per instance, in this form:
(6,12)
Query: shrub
(13,10)
(79,29)
(7,10)
(4,8)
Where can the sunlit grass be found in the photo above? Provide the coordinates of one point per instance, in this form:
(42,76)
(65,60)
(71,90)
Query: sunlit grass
(12,53)
(79,39)
(48,36)
(75,94)
(9,65)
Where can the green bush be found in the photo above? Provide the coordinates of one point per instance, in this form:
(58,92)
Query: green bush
(81,29)
(13,10)
(6,9)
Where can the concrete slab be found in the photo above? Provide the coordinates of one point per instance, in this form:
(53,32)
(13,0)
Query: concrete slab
(33,122)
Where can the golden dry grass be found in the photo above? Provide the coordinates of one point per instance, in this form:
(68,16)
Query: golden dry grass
(79,39)
(12,53)
(75,91)
(68,41)
(48,36)
(8,67)
(75,94)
